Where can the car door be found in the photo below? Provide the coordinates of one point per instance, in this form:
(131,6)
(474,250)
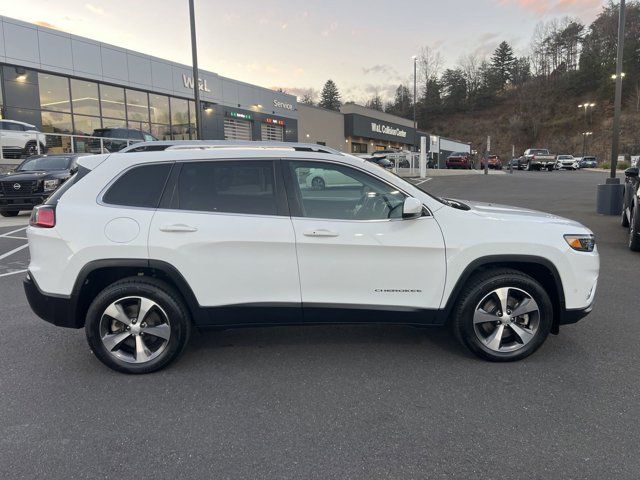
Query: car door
(356,253)
(227,230)
(12,135)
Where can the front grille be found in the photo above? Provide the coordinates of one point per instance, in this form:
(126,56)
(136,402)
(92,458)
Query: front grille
(27,187)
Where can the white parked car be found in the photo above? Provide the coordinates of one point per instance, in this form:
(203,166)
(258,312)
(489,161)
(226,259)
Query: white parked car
(567,161)
(20,139)
(321,178)
(138,248)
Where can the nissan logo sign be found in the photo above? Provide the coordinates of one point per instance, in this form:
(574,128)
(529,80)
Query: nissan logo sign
(16,186)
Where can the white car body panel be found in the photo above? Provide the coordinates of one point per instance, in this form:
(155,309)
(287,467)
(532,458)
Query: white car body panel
(250,259)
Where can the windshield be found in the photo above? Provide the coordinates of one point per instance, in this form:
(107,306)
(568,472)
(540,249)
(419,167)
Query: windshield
(45,163)
(539,152)
(565,157)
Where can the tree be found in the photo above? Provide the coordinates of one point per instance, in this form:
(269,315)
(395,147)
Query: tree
(330,96)
(454,86)
(521,71)
(503,62)
(430,103)
(470,67)
(375,102)
(308,97)
(402,105)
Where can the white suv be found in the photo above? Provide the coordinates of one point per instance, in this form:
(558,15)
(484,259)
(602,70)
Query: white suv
(20,139)
(138,248)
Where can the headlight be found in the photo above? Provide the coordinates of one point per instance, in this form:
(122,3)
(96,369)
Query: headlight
(51,184)
(581,243)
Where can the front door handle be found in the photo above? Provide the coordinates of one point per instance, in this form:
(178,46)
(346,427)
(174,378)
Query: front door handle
(178,227)
(320,232)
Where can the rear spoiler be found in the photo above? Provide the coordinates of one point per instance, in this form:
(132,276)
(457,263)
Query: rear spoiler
(91,161)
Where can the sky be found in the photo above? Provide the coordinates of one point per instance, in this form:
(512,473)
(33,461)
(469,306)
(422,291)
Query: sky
(365,46)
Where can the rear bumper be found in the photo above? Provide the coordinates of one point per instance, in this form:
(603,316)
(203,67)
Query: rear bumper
(60,311)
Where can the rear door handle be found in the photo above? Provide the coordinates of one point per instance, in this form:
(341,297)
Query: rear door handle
(178,227)
(320,232)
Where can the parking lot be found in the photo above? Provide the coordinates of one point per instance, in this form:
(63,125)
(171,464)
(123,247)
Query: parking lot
(337,402)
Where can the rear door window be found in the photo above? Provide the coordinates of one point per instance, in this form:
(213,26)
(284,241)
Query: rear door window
(246,187)
(141,186)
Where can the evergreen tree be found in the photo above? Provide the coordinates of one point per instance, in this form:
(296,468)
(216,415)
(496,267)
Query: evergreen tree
(330,96)
(503,62)
(402,105)
(455,89)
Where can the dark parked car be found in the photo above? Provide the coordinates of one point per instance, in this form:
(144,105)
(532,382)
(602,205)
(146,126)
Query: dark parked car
(630,212)
(513,163)
(459,160)
(115,139)
(32,182)
(493,161)
(588,162)
(381,161)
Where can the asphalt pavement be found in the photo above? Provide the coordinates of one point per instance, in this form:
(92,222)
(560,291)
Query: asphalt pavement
(369,402)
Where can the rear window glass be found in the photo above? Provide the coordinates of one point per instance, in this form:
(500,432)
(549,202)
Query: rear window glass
(231,187)
(139,187)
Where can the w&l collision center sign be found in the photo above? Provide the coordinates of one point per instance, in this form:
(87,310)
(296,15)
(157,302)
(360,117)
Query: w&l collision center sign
(356,125)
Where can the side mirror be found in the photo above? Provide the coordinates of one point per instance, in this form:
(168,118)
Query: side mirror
(632,172)
(412,208)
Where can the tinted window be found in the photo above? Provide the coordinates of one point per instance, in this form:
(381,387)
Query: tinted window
(231,187)
(12,126)
(139,187)
(338,192)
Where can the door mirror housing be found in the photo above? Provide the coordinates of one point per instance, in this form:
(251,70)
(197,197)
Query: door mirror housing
(632,172)
(412,208)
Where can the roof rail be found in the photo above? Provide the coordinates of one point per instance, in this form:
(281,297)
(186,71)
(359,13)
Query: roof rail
(214,144)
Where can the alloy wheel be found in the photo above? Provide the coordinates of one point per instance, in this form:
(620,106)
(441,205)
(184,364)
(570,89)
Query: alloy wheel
(135,329)
(506,319)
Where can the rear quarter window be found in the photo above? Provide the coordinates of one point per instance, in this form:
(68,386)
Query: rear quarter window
(140,186)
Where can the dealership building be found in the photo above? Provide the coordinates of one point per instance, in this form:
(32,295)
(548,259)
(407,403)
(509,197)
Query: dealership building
(67,84)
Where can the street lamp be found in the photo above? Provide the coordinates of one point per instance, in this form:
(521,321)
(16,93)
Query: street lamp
(196,77)
(609,195)
(415,92)
(584,142)
(615,76)
(587,106)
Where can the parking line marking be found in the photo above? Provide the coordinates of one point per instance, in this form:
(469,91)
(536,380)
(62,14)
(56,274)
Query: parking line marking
(423,181)
(15,250)
(14,238)
(12,232)
(12,273)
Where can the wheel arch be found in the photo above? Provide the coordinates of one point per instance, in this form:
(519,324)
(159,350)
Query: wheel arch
(97,275)
(539,268)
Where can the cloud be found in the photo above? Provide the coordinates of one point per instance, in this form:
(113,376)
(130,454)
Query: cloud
(379,69)
(580,8)
(94,9)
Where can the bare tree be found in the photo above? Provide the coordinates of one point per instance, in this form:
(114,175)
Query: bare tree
(470,66)
(430,63)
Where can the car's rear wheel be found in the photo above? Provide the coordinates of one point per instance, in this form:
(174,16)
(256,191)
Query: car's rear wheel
(504,315)
(9,213)
(624,221)
(634,231)
(137,325)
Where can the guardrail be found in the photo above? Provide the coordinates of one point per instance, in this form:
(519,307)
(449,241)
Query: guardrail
(67,143)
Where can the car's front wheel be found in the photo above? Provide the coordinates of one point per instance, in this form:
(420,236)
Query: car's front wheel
(137,325)
(634,230)
(505,315)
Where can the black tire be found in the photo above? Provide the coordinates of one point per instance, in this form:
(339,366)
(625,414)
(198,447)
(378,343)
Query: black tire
(9,213)
(634,231)
(317,183)
(165,297)
(477,289)
(31,148)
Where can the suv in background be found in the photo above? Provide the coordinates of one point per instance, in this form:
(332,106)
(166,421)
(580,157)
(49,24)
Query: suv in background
(492,161)
(589,162)
(115,139)
(631,203)
(19,139)
(34,180)
(567,161)
(459,160)
(139,248)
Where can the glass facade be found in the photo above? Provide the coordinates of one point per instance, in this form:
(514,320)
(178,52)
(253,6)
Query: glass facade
(75,106)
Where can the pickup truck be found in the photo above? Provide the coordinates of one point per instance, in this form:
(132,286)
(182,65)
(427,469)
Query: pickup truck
(536,159)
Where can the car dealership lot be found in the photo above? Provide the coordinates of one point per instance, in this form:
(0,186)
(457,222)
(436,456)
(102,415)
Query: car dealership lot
(337,402)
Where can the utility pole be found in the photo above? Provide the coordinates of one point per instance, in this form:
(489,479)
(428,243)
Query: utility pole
(196,76)
(415,95)
(609,195)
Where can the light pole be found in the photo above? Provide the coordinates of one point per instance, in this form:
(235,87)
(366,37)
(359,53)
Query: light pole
(196,77)
(584,142)
(415,94)
(587,106)
(609,195)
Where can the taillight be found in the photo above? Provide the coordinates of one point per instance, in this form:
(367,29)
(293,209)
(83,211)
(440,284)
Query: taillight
(43,216)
